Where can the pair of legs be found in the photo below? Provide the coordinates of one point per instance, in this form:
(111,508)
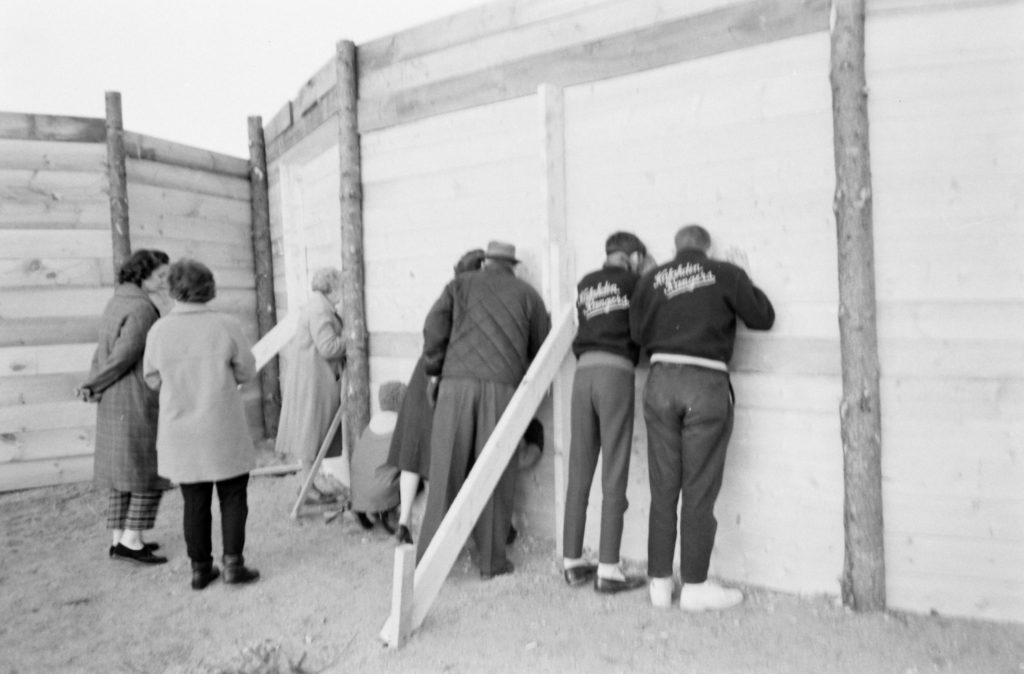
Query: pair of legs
(234,510)
(131,513)
(602,424)
(466,413)
(689,415)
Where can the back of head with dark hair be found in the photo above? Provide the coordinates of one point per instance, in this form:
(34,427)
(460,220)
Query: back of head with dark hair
(191,281)
(624,242)
(140,265)
(693,237)
(471,260)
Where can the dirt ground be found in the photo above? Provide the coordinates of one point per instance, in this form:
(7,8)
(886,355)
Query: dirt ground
(325,592)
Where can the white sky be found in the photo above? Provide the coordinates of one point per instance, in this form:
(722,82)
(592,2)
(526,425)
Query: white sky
(191,71)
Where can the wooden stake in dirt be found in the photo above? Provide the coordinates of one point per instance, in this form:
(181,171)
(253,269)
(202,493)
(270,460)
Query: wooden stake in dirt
(117,176)
(863,582)
(356,397)
(332,430)
(402,596)
(266,305)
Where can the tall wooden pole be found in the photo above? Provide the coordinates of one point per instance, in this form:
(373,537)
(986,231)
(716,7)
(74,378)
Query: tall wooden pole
(356,397)
(117,176)
(863,582)
(266,304)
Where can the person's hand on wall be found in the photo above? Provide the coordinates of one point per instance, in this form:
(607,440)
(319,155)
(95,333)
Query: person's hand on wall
(736,256)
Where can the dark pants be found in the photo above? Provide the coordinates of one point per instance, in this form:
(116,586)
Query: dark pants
(467,411)
(689,415)
(234,509)
(602,423)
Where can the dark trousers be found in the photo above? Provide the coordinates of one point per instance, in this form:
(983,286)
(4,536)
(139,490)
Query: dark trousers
(234,509)
(602,423)
(466,412)
(689,415)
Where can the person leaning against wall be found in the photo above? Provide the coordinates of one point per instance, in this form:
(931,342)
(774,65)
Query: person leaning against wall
(684,314)
(478,341)
(601,412)
(125,461)
(311,393)
(410,443)
(197,358)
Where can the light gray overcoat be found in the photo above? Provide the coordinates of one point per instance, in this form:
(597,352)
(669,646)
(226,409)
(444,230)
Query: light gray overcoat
(197,357)
(311,392)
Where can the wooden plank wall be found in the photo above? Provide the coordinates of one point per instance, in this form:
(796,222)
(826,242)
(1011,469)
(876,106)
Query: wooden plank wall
(947,143)
(195,203)
(741,144)
(719,112)
(55,278)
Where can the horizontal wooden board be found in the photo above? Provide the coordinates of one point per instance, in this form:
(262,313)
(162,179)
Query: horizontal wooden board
(48,330)
(777,560)
(927,396)
(967,517)
(140,146)
(984,559)
(277,124)
(229,258)
(29,361)
(737,27)
(36,155)
(158,174)
(147,224)
(984,359)
(45,416)
(50,388)
(39,272)
(149,199)
(33,474)
(34,212)
(53,302)
(911,589)
(47,444)
(595,21)
(52,127)
(29,185)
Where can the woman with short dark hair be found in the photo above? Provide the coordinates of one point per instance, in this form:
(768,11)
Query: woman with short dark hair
(196,358)
(126,418)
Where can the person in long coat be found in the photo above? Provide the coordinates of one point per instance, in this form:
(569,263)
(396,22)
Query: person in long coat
(197,358)
(311,392)
(125,460)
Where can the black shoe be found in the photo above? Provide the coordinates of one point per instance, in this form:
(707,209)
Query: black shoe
(384,517)
(364,521)
(578,575)
(203,575)
(403,535)
(143,556)
(506,568)
(512,535)
(236,572)
(145,546)
(613,585)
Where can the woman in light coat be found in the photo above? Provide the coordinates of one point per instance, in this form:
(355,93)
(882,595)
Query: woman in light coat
(125,458)
(311,393)
(197,358)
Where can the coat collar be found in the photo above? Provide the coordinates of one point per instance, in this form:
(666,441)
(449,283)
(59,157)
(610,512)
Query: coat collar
(188,308)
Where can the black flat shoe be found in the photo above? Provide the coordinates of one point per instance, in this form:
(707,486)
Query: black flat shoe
(145,546)
(512,535)
(142,556)
(578,575)
(364,521)
(384,517)
(403,535)
(613,585)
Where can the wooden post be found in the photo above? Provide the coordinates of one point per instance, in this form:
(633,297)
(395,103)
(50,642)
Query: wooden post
(561,279)
(863,582)
(117,176)
(263,255)
(402,596)
(356,397)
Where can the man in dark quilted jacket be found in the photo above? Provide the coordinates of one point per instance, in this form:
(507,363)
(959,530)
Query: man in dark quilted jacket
(478,341)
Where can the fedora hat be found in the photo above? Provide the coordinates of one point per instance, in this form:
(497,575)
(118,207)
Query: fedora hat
(499,250)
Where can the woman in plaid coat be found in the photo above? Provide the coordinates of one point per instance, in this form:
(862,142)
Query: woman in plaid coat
(126,417)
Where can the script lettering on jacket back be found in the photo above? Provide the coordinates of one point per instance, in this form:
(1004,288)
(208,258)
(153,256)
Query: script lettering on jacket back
(603,298)
(684,278)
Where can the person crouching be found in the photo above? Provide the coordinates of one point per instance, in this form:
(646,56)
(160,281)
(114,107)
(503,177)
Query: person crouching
(196,358)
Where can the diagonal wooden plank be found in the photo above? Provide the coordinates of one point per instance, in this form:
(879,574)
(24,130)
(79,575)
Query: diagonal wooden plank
(440,555)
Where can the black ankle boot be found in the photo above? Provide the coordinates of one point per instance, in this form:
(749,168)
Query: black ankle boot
(203,573)
(236,572)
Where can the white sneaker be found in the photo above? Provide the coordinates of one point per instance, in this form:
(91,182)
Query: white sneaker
(708,596)
(661,592)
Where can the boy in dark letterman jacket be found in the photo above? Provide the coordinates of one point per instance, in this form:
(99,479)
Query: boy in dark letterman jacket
(602,413)
(684,314)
